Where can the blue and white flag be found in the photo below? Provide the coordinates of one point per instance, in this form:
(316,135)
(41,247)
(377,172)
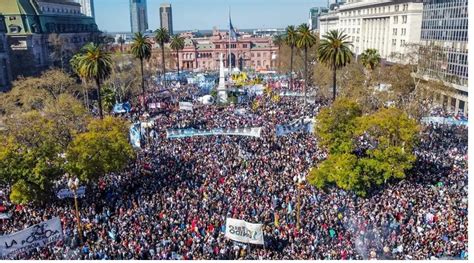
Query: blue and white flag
(232,33)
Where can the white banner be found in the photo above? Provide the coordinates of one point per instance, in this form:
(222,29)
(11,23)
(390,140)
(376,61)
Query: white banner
(5,215)
(244,232)
(185,106)
(182,133)
(33,237)
(67,193)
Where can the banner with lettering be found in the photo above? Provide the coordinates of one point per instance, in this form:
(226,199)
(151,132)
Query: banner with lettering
(242,231)
(182,133)
(185,106)
(305,125)
(67,193)
(33,237)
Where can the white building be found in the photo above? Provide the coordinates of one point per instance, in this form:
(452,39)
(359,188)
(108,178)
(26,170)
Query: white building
(87,7)
(386,25)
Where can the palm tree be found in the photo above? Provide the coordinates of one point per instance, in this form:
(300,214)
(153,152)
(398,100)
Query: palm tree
(177,44)
(121,41)
(162,36)
(141,49)
(334,51)
(370,58)
(94,63)
(290,39)
(305,40)
(74,62)
(278,41)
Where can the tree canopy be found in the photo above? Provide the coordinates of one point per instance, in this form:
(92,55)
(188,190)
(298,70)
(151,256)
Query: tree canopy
(364,151)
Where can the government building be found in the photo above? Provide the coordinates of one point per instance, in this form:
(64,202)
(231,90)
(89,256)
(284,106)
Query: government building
(246,52)
(37,29)
(386,25)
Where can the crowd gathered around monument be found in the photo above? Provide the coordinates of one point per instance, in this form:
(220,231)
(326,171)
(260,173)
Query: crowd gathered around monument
(173,201)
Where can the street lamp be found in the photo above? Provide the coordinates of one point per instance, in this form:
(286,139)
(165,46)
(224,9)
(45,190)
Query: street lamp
(298,182)
(73,184)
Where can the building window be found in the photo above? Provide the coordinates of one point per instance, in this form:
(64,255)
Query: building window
(218,46)
(358,30)
(404,19)
(402,43)
(394,31)
(394,42)
(405,7)
(395,19)
(404,31)
(396,8)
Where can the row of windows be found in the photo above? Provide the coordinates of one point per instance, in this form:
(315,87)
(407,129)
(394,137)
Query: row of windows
(402,42)
(70,28)
(445,24)
(454,35)
(60,10)
(403,31)
(376,10)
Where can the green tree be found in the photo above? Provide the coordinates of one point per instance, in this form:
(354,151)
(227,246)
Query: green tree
(177,44)
(30,157)
(370,58)
(351,165)
(94,63)
(306,39)
(103,149)
(162,37)
(336,125)
(291,38)
(334,51)
(141,49)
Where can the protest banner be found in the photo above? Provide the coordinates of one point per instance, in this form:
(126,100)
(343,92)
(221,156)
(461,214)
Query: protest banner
(185,106)
(182,133)
(5,215)
(305,125)
(242,231)
(28,239)
(67,193)
(135,135)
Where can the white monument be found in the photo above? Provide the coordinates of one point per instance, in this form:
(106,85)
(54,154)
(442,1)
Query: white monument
(221,89)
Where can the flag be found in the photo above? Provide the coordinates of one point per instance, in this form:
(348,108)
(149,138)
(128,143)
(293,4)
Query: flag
(290,209)
(232,33)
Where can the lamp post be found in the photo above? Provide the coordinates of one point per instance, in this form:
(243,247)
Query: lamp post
(298,182)
(74,185)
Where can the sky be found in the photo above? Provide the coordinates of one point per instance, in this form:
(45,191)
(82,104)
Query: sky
(114,15)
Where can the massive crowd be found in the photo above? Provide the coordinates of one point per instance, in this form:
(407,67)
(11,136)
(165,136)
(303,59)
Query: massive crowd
(173,202)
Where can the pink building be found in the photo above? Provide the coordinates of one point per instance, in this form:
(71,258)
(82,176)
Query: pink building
(248,52)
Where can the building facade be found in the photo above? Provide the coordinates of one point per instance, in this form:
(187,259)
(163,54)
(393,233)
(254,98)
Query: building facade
(87,7)
(247,52)
(445,27)
(37,29)
(166,17)
(138,16)
(385,25)
(5,73)
(314,14)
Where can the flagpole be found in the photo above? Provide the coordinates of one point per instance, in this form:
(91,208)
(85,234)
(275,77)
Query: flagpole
(230,56)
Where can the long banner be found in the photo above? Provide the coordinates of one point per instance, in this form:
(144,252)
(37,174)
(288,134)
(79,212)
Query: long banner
(182,133)
(242,231)
(135,135)
(33,237)
(442,120)
(185,106)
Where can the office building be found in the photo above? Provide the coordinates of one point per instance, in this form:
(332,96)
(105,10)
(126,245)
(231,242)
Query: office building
(87,7)
(138,16)
(385,25)
(445,27)
(31,25)
(314,14)
(166,17)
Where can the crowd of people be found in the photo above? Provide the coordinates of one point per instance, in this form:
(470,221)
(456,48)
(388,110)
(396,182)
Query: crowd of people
(172,203)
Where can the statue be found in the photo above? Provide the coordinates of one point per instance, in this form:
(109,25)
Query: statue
(221,89)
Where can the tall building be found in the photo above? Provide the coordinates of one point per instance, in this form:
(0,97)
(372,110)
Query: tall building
(87,7)
(445,25)
(138,16)
(166,17)
(41,33)
(386,25)
(314,14)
